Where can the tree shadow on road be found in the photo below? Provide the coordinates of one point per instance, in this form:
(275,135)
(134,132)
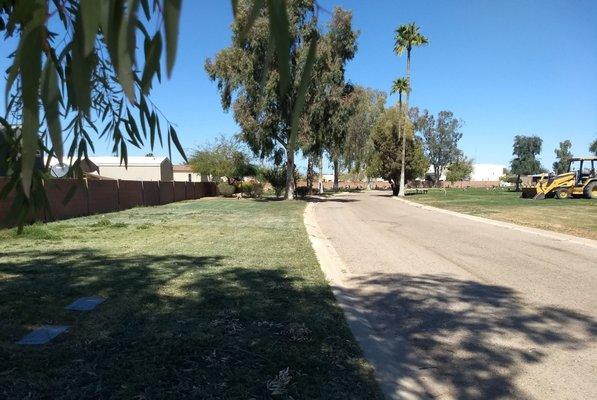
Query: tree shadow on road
(468,339)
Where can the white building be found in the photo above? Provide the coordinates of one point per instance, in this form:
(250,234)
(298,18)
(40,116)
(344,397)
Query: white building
(138,168)
(487,172)
(481,172)
(184,173)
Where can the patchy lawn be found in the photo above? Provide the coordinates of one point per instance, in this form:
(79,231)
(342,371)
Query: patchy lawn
(210,299)
(572,216)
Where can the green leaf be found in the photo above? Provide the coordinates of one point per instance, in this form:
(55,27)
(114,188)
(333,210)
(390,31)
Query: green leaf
(90,18)
(152,126)
(126,49)
(280,30)
(152,62)
(171,22)
(50,97)
(302,90)
(81,68)
(174,137)
(146,11)
(30,67)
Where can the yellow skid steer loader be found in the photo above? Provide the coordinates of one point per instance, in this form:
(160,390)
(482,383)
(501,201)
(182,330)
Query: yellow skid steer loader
(579,181)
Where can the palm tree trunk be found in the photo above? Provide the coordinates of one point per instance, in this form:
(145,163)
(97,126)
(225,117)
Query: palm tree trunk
(403,166)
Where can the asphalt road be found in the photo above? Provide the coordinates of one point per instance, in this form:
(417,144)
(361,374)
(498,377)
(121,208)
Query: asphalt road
(447,307)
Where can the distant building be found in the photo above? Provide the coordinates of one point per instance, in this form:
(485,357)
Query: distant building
(138,168)
(487,172)
(481,173)
(184,173)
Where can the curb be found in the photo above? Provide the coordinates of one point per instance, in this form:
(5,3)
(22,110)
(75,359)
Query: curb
(507,225)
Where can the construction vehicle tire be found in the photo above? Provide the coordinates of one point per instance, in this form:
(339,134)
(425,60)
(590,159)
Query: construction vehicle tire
(562,194)
(590,191)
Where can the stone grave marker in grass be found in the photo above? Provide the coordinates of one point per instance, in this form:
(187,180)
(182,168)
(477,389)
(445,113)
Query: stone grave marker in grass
(43,334)
(86,303)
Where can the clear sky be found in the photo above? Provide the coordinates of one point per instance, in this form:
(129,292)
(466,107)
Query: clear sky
(504,67)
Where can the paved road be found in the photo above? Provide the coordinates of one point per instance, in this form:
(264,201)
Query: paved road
(454,308)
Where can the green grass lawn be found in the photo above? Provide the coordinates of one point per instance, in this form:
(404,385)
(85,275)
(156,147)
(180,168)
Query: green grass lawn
(572,216)
(208,299)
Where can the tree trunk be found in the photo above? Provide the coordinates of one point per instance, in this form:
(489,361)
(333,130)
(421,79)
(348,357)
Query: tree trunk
(395,188)
(368,182)
(290,185)
(336,174)
(321,174)
(310,173)
(517,183)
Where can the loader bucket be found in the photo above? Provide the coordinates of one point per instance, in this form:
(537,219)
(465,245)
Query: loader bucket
(539,196)
(529,193)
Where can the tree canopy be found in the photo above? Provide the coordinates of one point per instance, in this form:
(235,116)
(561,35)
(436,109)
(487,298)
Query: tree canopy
(358,147)
(441,135)
(388,149)
(460,170)
(525,151)
(563,156)
(261,98)
(224,158)
(593,147)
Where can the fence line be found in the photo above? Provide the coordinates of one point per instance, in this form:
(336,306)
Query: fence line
(103,196)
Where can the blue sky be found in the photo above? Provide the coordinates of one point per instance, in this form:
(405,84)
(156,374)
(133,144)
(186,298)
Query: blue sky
(504,67)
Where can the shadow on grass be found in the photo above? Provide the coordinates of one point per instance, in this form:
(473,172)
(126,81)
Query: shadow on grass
(173,327)
(470,339)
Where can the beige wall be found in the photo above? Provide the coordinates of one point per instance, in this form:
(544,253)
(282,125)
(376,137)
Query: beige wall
(184,177)
(138,172)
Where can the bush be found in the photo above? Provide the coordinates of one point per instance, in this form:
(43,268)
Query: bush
(276,177)
(301,191)
(225,189)
(252,189)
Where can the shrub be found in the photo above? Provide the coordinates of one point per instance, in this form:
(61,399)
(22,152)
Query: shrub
(302,191)
(276,177)
(225,189)
(252,189)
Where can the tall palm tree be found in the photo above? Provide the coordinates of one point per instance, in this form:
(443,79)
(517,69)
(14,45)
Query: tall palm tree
(400,86)
(406,37)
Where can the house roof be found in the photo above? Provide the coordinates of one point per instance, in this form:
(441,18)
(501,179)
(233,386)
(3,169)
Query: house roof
(182,168)
(132,161)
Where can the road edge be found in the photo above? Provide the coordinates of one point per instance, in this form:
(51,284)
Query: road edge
(507,225)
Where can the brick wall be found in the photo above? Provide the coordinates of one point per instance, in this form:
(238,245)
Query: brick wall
(103,196)
(472,184)
(180,191)
(190,190)
(151,193)
(6,203)
(130,194)
(166,192)
(57,191)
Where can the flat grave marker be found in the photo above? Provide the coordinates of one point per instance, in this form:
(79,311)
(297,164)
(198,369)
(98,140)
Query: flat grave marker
(43,334)
(86,303)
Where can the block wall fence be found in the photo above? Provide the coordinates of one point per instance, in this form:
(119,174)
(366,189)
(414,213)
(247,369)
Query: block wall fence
(104,196)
